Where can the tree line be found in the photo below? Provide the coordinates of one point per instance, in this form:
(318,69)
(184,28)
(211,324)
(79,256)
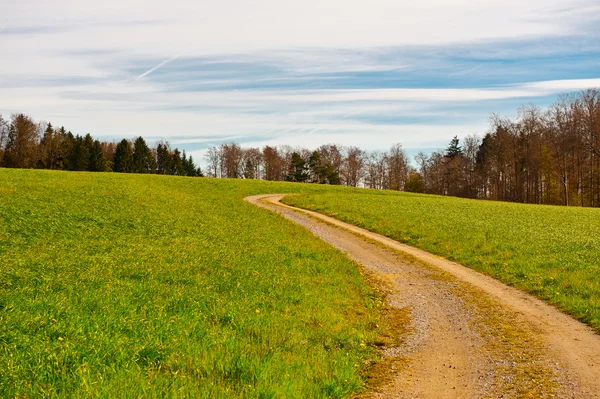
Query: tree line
(328,164)
(27,144)
(543,156)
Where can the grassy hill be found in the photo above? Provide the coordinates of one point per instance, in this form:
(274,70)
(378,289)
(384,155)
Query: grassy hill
(115,285)
(552,252)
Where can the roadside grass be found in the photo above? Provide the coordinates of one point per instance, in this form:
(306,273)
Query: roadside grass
(551,252)
(122,286)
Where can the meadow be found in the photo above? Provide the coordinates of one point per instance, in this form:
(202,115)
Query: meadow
(552,252)
(119,285)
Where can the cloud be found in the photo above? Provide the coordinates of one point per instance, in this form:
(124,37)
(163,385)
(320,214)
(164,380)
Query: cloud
(373,118)
(364,73)
(563,85)
(208,27)
(158,66)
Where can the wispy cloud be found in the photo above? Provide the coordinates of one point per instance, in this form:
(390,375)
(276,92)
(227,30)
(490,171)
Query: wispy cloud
(156,67)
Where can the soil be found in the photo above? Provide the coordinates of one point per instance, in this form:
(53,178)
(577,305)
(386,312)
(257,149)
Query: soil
(458,333)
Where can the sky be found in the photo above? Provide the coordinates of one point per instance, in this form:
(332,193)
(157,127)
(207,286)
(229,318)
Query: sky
(304,73)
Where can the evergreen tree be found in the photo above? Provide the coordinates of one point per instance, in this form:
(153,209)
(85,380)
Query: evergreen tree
(97,162)
(177,164)
(188,165)
(317,172)
(79,154)
(123,161)
(68,148)
(193,170)
(84,152)
(249,172)
(297,169)
(163,159)
(143,161)
(47,148)
(454,148)
(65,143)
(73,154)
(331,174)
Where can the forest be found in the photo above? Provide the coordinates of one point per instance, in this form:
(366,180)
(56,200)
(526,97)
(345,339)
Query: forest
(27,144)
(543,156)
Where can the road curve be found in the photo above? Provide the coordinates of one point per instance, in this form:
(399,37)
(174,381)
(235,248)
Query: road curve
(470,335)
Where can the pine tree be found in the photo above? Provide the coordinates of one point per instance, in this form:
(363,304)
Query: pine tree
(97,162)
(193,170)
(143,161)
(84,152)
(454,148)
(78,154)
(73,154)
(47,147)
(67,149)
(297,170)
(177,164)
(188,165)
(315,167)
(123,157)
(249,172)
(163,159)
(332,176)
(66,144)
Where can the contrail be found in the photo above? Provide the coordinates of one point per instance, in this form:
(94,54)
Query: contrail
(149,71)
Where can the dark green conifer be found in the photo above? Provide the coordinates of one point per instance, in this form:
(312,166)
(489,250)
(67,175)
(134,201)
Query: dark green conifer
(123,157)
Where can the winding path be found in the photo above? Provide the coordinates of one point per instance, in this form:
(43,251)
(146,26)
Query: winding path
(469,336)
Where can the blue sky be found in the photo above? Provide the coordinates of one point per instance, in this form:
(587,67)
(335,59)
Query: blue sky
(300,73)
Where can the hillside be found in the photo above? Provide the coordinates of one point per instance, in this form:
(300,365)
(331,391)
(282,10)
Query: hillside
(155,286)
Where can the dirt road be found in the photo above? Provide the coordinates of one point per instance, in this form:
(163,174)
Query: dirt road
(468,335)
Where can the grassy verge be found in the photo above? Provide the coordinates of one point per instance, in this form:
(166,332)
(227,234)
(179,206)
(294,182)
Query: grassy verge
(552,252)
(148,286)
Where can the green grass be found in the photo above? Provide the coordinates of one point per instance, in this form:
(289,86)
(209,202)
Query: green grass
(116,285)
(552,252)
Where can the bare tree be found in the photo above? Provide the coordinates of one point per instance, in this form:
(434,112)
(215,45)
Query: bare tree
(376,170)
(274,164)
(252,161)
(231,158)
(3,136)
(471,146)
(397,164)
(353,166)
(213,158)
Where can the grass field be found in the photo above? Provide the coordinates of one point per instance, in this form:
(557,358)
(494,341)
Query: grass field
(116,285)
(552,252)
